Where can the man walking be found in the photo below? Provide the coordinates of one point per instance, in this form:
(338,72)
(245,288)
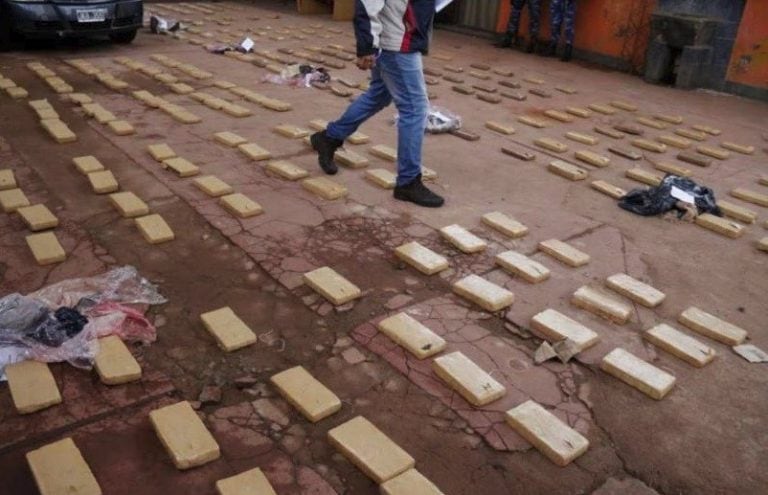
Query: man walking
(562,12)
(534,14)
(391,37)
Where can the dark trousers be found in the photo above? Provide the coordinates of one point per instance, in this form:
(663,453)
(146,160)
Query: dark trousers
(563,12)
(534,12)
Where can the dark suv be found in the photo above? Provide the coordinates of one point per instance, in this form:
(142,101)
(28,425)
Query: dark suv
(117,19)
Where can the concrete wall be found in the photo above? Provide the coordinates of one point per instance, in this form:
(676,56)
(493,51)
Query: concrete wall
(748,66)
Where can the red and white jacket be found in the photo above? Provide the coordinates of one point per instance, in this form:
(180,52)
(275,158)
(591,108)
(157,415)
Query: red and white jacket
(394,25)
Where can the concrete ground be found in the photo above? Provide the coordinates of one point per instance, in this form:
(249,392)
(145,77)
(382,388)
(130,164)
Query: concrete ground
(708,436)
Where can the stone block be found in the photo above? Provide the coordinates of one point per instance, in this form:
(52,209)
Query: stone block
(647,145)
(750,196)
(694,159)
(412,335)
(350,159)
(713,152)
(184,436)
(121,127)
(114,363)
(213,186)
(7,179)
(607,131)
(240,205)
(423,259)
(602,304)
(306,393)
(680,345)
(567,170)
(555,327)
(38,217)
(13,199)
(523,266)
(332,286)
(154,229)
(560,443)
(532,121)
(608,189)
(518,153)
(592,158)
(467,378)
(707,129)
(624,105)
(251,482)
(671,168)
(677,142)
(230,332)
(504,224)
(603,109)
(637,373)
(410,482)
(462,239)
(635,290)
(669,119)
(722,226)
(59,131)
(181,166)
(87,164)
(644,176)
(46,248)
(559,116)
(738,148)
(32,386)
(737,212)
(325,188)
(161,152)
(579,112)
(368,448)
(59,468)
(128,204)
(286,170)
(384,152)
(381,177)
(691,134)
(500,127)
(582,138)
(653,124)
(103,182)
(229,139)
(291,131)
(712,327)
(485,294)
(551,145)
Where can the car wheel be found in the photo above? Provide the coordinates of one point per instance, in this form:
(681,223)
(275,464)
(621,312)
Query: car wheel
(5,32)
(123,38)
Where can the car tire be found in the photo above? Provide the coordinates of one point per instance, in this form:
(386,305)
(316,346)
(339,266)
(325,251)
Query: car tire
(124,37)
(5,31)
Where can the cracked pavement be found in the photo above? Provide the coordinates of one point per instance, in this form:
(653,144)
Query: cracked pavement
(707,437)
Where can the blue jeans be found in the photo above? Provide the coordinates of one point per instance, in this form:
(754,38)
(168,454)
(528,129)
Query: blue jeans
(397,77)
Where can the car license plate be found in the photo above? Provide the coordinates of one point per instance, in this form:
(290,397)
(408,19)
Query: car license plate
(91,15)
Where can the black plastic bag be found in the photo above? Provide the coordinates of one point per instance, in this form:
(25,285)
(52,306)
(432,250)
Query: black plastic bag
(659,199)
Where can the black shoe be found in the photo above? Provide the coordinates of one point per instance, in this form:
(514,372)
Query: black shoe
(532,44)
(326,147)
(551,50)
(417,192)
(567,53)
(507,41)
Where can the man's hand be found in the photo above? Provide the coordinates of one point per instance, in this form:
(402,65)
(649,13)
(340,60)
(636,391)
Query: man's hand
(366,62)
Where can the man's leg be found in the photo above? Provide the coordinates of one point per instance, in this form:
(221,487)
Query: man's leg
(364,107)
(404,77)
(534,12)
(513,25)
(556,20)
(570,22)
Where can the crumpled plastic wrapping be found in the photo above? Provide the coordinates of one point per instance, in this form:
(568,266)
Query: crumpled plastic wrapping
(439,120)
(300,75)
(63,321)
(662,198)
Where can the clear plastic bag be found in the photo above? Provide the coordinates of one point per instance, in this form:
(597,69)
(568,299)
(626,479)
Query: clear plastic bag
(63,321)
(439,120)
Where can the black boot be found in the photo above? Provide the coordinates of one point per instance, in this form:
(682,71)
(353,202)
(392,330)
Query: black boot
(326,147)
(532,44)
(567,53)
(507,41)
(417,192)
(551,50)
